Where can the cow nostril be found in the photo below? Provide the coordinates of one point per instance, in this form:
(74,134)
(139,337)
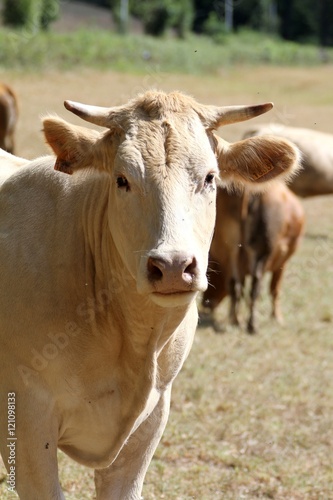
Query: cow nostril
(191,268)
(154,269)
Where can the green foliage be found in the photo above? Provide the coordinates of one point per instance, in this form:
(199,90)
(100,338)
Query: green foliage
(107,50)
(182,15)
(31,15)
(160,15)
(299,18)
(23,13)
(305,20)
(214,27)
(202,9)
(100,3)
(156,17)
(295,20)
(49,12)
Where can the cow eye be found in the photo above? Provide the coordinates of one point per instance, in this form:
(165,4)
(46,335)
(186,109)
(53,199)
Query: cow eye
(209,179)
(122,183)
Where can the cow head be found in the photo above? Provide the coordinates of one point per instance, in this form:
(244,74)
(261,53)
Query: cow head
(163,161)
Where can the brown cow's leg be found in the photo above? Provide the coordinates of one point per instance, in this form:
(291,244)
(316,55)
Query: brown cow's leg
(235,296)
(236,284)
(275,290)
(213,296)
(255,290)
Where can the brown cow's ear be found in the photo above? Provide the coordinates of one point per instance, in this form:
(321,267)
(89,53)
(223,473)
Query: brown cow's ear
(73,146)
(257,160)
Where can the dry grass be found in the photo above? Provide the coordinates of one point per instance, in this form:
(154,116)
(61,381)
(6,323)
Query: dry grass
(302,97)
(251,417)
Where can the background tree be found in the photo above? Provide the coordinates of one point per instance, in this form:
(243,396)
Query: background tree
(22,13)
(298,19)
(32,15)
(49,12)
(202,10)
(182,15)
(325,22)
(159,15)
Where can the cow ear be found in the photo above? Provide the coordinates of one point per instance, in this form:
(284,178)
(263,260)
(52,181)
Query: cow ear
(257,160)
(73,146)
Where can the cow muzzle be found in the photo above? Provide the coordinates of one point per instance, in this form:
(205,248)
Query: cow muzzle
(173,278)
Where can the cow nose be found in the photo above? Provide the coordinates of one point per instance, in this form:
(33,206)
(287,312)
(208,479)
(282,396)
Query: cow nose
(172,273)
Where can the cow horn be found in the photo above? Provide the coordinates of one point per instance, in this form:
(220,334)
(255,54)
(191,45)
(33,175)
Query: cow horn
(213,116)
(93,114)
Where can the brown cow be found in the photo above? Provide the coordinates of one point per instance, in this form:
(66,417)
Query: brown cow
(254,233)
(8,117)
(316,177)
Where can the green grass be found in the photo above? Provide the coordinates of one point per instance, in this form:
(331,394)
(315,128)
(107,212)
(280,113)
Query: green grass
(106,50)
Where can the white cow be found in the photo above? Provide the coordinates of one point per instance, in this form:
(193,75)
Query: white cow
(316,176)
(9,164)
(99,276)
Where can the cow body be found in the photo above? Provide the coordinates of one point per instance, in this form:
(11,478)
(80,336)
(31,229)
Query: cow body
(316,177)
(100,272)
(9,165)
(8,118)
(254,234)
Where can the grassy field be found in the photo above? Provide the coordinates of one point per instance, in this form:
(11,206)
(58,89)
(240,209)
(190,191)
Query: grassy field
(251,416)
(101,48)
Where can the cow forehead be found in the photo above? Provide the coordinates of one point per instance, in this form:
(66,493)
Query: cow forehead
(171,140)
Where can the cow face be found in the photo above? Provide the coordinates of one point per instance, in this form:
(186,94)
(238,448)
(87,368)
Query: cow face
(162,159)
(163,193)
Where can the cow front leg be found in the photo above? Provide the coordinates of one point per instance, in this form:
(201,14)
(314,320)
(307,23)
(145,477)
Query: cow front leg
(123,479)
(275,289)
(251,324)
(254,293)
(235,298)
(31,449)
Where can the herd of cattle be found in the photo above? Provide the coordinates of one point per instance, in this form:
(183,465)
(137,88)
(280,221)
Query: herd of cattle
(100,271)
(255,233)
